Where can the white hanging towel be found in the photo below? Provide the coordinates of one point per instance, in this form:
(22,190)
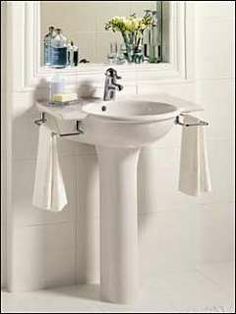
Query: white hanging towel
(194,176)
(49,189)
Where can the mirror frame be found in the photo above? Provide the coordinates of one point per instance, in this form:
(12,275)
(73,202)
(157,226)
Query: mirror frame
(25,39)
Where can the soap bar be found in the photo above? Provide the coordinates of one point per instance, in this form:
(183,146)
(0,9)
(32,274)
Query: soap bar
(64,97)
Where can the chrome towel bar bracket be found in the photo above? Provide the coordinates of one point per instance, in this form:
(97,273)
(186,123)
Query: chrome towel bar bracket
(199,123)
(78,126)
(41,120)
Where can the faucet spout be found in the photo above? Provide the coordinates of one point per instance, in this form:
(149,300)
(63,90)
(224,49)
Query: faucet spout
(119,87)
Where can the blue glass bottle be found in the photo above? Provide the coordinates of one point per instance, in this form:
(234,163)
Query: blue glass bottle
(59,50)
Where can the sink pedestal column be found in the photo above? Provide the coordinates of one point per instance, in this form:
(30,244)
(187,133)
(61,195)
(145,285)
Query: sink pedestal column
(118,223)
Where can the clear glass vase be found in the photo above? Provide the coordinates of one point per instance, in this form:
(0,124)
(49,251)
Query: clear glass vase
(133,48)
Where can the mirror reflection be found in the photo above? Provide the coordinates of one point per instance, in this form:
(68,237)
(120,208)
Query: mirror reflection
(117,32)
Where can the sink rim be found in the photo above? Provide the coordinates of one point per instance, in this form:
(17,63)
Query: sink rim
(131,118)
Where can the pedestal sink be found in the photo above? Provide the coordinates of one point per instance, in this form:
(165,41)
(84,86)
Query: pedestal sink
(119,129)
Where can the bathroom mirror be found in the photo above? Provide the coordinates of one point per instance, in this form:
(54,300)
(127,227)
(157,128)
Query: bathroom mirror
(82,24)
(30,26)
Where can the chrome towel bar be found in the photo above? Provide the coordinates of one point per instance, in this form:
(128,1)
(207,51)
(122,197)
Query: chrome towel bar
(43,120)
(200,123)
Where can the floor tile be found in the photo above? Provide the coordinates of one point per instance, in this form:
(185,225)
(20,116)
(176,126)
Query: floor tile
(201,291)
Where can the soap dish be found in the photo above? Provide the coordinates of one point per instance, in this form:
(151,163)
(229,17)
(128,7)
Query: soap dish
(63,103)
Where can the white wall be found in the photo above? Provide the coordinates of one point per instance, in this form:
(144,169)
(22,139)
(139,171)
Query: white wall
(3,144)
(176,231)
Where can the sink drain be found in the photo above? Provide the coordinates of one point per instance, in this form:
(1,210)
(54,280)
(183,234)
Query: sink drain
(104,108)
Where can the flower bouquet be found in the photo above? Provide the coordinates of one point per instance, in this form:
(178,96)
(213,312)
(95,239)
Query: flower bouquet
(132,29)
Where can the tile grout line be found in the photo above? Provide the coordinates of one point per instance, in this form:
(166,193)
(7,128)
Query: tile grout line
(142,213)
(208,277)
(43,224)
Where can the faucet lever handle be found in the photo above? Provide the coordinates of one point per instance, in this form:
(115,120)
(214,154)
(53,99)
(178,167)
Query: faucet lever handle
(113,73)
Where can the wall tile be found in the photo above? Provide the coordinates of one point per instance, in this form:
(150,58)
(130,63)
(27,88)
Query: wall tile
(25,136)
(63,14)
(214,9)
(215,225)
(167,242)
(43,256)
(215,49)
(139,7)
(66,147)
(87,49)
(88,250)
(217,99)
(23,104)
(106,10)
(153,169)
(221,273)
(181,90)
(158,182)
(85,149)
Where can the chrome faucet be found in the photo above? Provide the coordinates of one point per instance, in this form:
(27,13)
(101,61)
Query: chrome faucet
(111,86)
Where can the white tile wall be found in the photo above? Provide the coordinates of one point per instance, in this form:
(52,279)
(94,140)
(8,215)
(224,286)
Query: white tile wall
(184,90)
(176,231)
(167,241)
(43,256)
(87,250)
(217,98)
(3,146)
(215,224)
(215,10)
(215,48)
(158,184)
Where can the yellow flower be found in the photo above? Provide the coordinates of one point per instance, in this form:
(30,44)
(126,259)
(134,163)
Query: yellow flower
(129,24)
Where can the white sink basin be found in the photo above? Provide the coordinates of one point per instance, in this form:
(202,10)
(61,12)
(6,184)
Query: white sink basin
(131,110)
(127,123)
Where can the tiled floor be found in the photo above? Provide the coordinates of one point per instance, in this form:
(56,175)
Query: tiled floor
(210,289)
